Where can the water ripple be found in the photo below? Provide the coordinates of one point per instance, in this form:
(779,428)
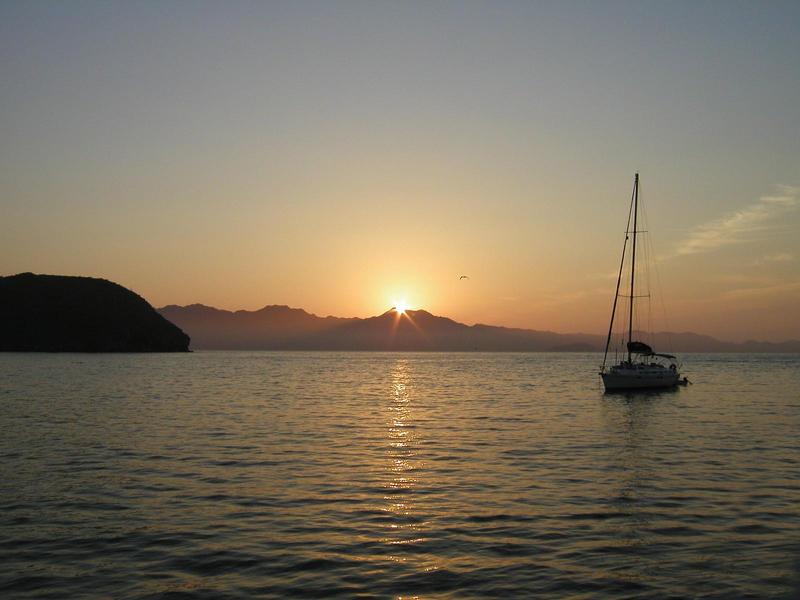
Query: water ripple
(357,475)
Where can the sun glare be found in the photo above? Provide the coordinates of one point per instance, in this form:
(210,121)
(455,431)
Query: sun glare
(400,306)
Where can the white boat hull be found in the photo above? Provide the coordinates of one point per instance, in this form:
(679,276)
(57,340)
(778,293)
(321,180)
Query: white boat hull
(638,379)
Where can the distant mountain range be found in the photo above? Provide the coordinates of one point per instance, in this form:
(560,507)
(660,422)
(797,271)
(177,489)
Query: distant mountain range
(285,328)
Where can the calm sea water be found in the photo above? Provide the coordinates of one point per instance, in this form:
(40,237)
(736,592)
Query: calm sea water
(359,475)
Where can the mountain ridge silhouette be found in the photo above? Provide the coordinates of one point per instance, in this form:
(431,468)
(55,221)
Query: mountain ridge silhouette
(268,328)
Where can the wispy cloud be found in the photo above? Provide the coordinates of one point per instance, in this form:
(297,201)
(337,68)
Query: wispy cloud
(742,226)
(609,275)
(765,290)
(778,257)
(741,279)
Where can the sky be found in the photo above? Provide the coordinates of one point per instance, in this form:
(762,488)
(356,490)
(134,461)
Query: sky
(343,156)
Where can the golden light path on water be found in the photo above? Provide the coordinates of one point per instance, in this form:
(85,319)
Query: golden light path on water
(403,463)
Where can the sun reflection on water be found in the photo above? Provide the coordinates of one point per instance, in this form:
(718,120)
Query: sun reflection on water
(403,466)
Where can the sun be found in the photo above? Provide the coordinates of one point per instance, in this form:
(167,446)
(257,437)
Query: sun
(400,306)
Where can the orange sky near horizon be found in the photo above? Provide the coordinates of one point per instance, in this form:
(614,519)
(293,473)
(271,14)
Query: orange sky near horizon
(520,274)
(553,284)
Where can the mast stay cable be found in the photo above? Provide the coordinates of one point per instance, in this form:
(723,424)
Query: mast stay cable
(619,279)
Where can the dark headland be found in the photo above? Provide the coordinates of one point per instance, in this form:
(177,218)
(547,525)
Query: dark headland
(56,313)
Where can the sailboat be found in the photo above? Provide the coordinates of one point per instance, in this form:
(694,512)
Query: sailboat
(640,367)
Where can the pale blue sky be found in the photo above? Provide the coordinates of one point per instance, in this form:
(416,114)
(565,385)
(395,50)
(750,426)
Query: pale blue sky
(331,154)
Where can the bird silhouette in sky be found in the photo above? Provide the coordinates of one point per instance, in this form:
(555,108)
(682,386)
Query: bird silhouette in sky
(463,277)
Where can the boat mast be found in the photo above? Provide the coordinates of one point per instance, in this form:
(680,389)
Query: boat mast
(619,280)
(633,260)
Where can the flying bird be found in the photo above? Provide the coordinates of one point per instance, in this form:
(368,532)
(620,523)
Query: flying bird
(463,277)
